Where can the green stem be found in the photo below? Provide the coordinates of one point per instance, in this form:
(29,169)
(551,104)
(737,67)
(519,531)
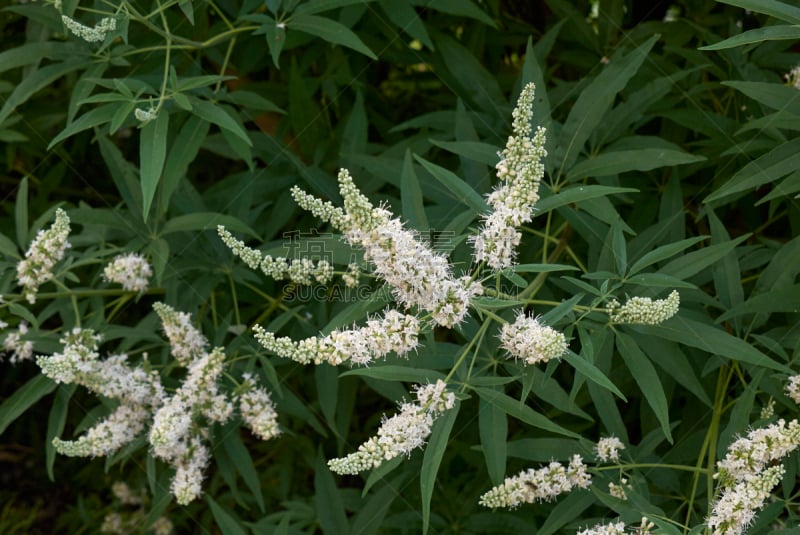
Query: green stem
(467,349)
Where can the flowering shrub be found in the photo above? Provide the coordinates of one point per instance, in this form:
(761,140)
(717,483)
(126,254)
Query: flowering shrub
(543,265)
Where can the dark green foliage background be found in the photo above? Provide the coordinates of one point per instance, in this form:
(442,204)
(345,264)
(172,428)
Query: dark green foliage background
(690,144)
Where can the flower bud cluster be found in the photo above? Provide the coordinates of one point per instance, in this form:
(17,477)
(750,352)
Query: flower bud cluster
(418,276)
(130,270)
(520,171)
(400,434)
(748,474)
(618,490)
(257,409)
(20,349)
(42,255)
(90,34)
(299,271)
(529,340)
(543,484)
(393,332)
(607,449)
(643,310)
(185,341)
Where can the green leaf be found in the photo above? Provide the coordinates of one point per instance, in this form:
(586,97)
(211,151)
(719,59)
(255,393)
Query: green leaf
(369,518)
(152,154)
(331,31)
(669,357)
(405,17)
(646,377)
(759,35)
(566,511)
(226,522)
(434,452)
(455,187)
(23,399)
(461,8)
(595,100)
(240,456)
(474,150)
(779,10)
(766,169)
(577,194)
(33,53)
(319,6)
(619,248)
(780,300)
(206,221)
(391,372)
(696,261)
(493,427)
(592,372)
(712,340)
(183,151)
(8,247)
(123,173)
(218,116)
(411,195)
(776,96)
(612,163)
(542,268)
(35,81)
(664,252)
(96,117)
(328,500)
(21,213)
(55,424)
(326,381)
(522,412)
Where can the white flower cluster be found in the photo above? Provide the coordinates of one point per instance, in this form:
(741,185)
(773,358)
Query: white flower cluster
(793,77)
(145,116)
(544,484)
(748,475)
(175,436)
(737,506)
(618,490)
(89,34)
(400,434)
(21,350)
(529,340)
(520,171)
(352,275)
(418,276)
(185,341)
(757,450)
(130,270)
(607,449)
(299,271)
(643,310)
(793,388)
(618,528)
(257,409)
(178,423)
(393,332)
(138,391)
(42,255)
